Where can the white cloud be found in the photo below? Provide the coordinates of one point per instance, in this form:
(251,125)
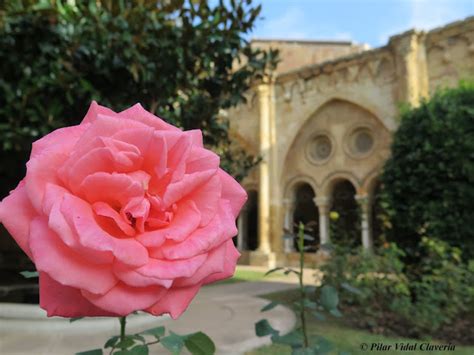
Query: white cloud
(428,14)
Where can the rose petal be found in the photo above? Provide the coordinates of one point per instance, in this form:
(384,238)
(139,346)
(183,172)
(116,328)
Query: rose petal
(16,213)
(104,126)
(185,221)
(196,137)
(40,171)
(207,199)
(200,159)
(138,113)
(139,137)
(132,278)
(232,191)
(80,217)
(103,209)
(115,189)
(221,228)
(94,110)
(232,255)
(190,182)
(98,160)
(175,301)
(172,269)
(58,224)
(123,299)
(65,266)
(177,156)
(52,194)
(215,263)
(65,137)
(65,301)
(156,156)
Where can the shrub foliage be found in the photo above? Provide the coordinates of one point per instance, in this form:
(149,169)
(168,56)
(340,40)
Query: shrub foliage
(391,297)
(429,179)
(177,58)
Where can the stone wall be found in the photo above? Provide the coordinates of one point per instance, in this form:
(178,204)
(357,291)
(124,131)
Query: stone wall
(450,54)
(299,53)
(334,104)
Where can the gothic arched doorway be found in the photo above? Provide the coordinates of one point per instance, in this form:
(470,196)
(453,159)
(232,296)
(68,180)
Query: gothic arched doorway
(248,224)
(306,211)
(345,230)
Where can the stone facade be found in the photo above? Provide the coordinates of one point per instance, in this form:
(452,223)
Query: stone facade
(328,124)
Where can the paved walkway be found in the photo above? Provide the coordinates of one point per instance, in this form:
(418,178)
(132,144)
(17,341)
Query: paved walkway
(227,313)
(310,276)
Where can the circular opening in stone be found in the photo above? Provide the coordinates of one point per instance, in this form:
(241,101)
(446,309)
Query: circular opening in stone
(320,148)
(362,141)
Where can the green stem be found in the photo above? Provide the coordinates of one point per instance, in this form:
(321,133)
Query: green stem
(123,322)
(302,293)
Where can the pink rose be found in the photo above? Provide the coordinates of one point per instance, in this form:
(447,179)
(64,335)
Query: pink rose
(124,212)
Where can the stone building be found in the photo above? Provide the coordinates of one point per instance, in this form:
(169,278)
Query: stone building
(323,123)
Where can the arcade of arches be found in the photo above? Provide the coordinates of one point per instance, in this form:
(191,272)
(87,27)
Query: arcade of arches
(324,131)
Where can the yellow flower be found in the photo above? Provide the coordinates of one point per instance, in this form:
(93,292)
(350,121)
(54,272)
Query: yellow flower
(334,215)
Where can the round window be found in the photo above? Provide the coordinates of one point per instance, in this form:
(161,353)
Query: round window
(364,142)
(361,141)
(320,148)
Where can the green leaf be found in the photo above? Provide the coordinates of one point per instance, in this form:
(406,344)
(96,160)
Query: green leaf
(293,338)
(319,316)
(71,320)
(303,351)
(173,343)
(127,342)
(322,345)
(310,304)
(200,344)
(29,274)
(287,271)
(273,270)
(351,288)
(335,312)
(269,306)
(91,352)
(139,338)
(139,350)
(111,342)
(329,298)
(156,332)
(263,328)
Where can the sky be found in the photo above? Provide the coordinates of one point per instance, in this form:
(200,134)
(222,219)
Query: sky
(361,21)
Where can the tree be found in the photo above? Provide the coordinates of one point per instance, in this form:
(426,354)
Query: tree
(182,59)
(429,180)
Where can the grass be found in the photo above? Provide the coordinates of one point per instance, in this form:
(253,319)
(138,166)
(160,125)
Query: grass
(347,339)
(242,275)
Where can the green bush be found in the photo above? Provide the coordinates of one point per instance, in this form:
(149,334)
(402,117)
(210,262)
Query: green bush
(428,183)
(177,58)
(377,277)
(441,287)
(414,300)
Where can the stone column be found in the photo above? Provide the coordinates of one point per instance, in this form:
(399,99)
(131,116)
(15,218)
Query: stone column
(323,204)
(264,190)
(411,66)
(242,237)
(289,207)
(365,217)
